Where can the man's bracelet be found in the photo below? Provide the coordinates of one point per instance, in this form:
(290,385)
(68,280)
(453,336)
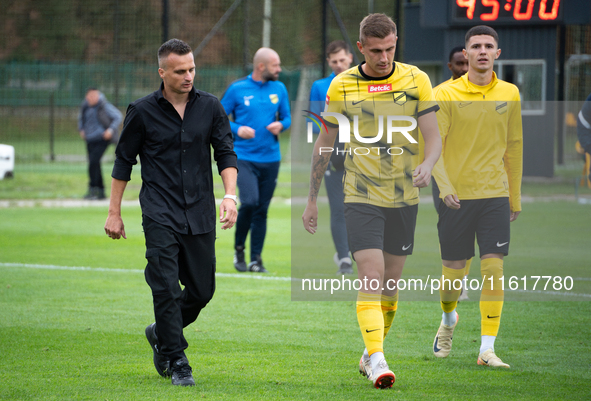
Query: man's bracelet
(233,197)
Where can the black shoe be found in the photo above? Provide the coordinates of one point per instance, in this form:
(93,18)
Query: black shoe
(100,194)
(95,193)
(256,266)
(91,194)
(239,262)
(161,362)
(181,373)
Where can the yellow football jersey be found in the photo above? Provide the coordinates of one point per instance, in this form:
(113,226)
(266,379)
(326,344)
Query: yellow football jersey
(382,150)
(482,139)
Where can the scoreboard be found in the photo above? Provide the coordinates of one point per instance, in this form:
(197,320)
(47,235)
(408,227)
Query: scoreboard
(516,13)
(491,12)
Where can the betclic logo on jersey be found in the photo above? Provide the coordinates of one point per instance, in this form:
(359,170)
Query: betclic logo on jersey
(388,126)
(379,88)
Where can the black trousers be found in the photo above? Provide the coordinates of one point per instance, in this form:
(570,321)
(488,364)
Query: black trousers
(96,149)
(174,257)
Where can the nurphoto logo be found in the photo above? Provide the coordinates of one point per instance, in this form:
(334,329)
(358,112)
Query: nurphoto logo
(387,125)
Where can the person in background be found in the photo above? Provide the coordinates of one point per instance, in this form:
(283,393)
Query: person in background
(339,59)
(259,105)
(98,123)
(584,129)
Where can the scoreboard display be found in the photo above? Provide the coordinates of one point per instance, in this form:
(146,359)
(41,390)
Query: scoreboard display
(506,12)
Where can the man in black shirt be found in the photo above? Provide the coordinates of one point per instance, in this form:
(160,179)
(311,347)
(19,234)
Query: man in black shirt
(173,131)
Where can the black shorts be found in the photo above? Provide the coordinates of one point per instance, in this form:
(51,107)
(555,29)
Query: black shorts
(487,219)
(373,227)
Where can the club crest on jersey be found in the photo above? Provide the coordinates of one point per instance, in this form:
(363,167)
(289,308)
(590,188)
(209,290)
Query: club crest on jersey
(327,100)
(379,88)
(274,98)
(399,98)
(501,107)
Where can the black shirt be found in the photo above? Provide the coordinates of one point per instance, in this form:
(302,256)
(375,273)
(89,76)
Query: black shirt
(175,154)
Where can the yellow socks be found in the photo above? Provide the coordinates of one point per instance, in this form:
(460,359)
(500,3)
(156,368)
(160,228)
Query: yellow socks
(491,298)
(448,295)
(371,321)
(389,307)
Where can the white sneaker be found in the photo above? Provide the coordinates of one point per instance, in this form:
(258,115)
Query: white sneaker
(443,339)
(383,377)
(345,265)
(488,358)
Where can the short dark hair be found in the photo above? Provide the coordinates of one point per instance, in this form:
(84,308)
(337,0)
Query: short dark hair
(457,49)
(336,46)
(481,30)
(376,26)
(175,46)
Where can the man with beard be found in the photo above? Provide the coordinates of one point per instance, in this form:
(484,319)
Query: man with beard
(259,105)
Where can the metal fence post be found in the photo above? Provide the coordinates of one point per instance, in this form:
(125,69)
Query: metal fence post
(164,20)
(51,126)
(245,28)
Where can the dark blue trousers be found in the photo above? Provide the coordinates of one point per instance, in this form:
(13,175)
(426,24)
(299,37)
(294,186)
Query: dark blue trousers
(333,179)
(256,184)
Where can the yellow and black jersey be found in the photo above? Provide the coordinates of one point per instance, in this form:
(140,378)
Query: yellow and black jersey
(482,139)
(380,159)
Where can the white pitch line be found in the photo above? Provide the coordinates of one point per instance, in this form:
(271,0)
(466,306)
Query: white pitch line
(103,269)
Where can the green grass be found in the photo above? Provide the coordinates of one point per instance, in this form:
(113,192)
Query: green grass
(70,181)
(67,177)
(78,334)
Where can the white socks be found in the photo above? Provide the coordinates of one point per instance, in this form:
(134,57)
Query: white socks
(488,342)
(375,358)
(449,318)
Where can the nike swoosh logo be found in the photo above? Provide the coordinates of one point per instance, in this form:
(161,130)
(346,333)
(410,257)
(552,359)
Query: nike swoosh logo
(461,105)
(369,331)
(435,345)
(500,245)
(404,248)
(354,103)
(492,317)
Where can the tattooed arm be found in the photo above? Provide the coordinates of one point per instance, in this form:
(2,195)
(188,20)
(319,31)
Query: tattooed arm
(320,158)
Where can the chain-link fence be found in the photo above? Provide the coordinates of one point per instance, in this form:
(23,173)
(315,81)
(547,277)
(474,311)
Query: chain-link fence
(52,51)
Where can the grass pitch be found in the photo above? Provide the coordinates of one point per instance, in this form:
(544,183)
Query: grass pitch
(74,334)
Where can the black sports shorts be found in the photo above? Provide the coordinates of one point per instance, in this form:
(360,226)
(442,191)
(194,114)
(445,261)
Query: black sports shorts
(373,227)
(487,219)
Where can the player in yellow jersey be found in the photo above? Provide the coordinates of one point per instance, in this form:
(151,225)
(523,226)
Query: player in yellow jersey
(479,176)
(374,108)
